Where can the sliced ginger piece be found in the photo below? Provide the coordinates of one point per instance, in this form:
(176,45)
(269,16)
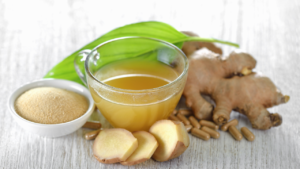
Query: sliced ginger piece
(147,146)
(172,139)
(114,145)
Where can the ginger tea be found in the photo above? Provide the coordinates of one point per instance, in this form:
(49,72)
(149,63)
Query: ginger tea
(142,109)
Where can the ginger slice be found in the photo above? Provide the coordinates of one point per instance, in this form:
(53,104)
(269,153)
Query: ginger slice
(172,138)
(147,146)
(114,145)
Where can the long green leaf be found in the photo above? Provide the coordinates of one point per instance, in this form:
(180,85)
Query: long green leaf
(158,30)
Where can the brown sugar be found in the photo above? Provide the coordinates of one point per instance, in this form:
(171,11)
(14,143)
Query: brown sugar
(49,105)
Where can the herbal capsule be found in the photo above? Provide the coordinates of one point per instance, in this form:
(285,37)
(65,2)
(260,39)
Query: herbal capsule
(174,118)
(209,124)
(200,134)
(247,134)
(185,112)
(213,133)
(233,122)
(174,112)
(183,119)
(235,133)
(92,135)
(194,122)
(92,125)
(188,128)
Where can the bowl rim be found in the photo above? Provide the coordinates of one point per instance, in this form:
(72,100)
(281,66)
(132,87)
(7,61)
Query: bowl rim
(46,83)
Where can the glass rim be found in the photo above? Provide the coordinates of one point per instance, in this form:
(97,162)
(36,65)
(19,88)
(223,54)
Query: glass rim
(185,70)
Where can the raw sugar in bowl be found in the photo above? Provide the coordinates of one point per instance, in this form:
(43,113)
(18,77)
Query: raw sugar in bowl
(61,127)
(134,81)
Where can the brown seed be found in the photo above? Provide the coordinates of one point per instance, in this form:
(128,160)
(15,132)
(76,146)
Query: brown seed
(183,119)
(185,112)
(188,128)
(92,135)
(174,118)
(247,134)
(235,133)
(209,124)
(233,122)
(92,125)
(174,112)
(200,134)
(194,122)
(213,133)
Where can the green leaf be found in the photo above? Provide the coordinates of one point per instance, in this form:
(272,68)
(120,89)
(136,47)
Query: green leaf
(152,29)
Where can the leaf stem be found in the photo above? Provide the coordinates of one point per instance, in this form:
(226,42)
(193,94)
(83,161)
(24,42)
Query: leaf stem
(192,38)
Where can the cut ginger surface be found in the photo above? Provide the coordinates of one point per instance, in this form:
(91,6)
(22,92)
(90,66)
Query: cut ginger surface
(147,145)
(114,145)
(172,139)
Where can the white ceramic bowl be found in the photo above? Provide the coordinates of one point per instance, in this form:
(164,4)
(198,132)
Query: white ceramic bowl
(51,130)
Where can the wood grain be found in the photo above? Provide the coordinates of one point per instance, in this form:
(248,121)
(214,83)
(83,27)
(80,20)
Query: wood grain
(36,35)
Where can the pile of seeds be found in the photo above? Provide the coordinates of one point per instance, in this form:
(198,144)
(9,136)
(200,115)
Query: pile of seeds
(204,129)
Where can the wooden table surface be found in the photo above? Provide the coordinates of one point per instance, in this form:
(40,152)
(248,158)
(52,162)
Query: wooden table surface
(36,34)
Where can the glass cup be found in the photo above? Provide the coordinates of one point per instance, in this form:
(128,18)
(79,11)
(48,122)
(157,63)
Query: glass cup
(133,110)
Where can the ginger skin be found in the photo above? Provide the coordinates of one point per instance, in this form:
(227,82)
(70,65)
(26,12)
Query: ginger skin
(250,95)
(191,46)
(206,68)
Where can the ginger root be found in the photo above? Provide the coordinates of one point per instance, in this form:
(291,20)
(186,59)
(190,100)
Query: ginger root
(189,47)
(250,94)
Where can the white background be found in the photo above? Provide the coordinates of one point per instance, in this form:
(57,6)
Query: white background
(36,34)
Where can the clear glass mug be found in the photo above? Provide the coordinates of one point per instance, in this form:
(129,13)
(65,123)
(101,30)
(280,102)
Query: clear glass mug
(133,110)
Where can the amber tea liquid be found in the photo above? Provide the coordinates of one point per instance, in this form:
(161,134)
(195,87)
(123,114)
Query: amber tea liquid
(141,112)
